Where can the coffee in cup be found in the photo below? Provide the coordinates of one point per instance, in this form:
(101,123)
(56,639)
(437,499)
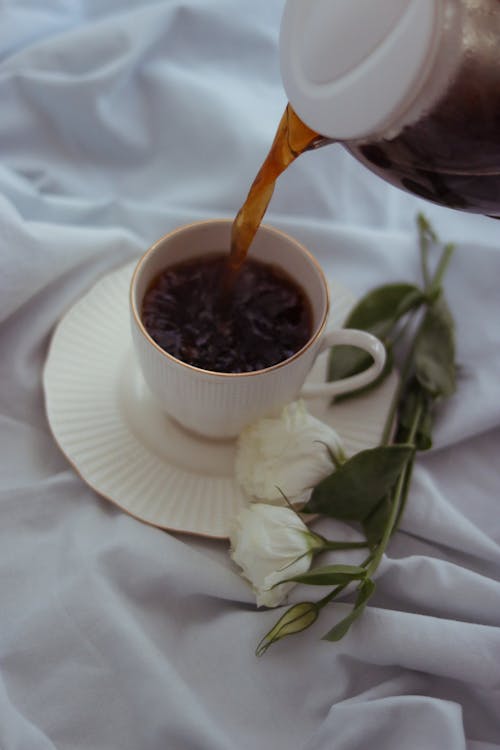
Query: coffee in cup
(264,320)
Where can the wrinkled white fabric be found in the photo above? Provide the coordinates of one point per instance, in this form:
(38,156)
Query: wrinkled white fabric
(119,121)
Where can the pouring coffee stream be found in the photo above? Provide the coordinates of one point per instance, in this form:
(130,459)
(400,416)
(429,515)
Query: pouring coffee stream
(293,138)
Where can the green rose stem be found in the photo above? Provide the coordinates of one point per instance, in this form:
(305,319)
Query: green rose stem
(372,561)
(301,616)
(403,484)
(427,234)
(330,545)
(400,495)
(432,290)
(320,544)
(427,374)
(338,589)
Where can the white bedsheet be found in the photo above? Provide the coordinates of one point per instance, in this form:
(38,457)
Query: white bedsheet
(119,121)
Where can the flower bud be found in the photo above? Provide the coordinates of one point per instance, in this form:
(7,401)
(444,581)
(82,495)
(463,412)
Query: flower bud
(295,620)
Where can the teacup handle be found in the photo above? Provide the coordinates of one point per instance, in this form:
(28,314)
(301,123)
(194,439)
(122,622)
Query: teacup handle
(349,337)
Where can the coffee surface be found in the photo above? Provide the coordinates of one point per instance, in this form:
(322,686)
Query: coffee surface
(266,319)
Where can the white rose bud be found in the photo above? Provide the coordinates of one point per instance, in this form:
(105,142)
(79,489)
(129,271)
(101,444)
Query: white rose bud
(287,453)
(295,620)
(271,543)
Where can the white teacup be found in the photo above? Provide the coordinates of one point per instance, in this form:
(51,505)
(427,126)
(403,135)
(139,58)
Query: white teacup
(220,405)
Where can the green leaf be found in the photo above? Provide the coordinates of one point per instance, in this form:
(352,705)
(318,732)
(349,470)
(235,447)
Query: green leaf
(295,620)
(375,524)
(434,354)
(330,575)
(383,306)
(354,490)
(377,312)
(340,629)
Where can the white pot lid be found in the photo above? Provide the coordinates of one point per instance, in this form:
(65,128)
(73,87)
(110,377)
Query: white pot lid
(351,68)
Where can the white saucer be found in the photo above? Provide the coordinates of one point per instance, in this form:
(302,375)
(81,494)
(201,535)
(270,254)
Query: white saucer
(108,425)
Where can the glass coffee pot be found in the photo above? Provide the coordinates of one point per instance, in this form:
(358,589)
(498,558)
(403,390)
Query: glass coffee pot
(411,88)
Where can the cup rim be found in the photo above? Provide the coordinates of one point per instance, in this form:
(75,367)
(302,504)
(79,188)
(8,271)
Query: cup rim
(223,221)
